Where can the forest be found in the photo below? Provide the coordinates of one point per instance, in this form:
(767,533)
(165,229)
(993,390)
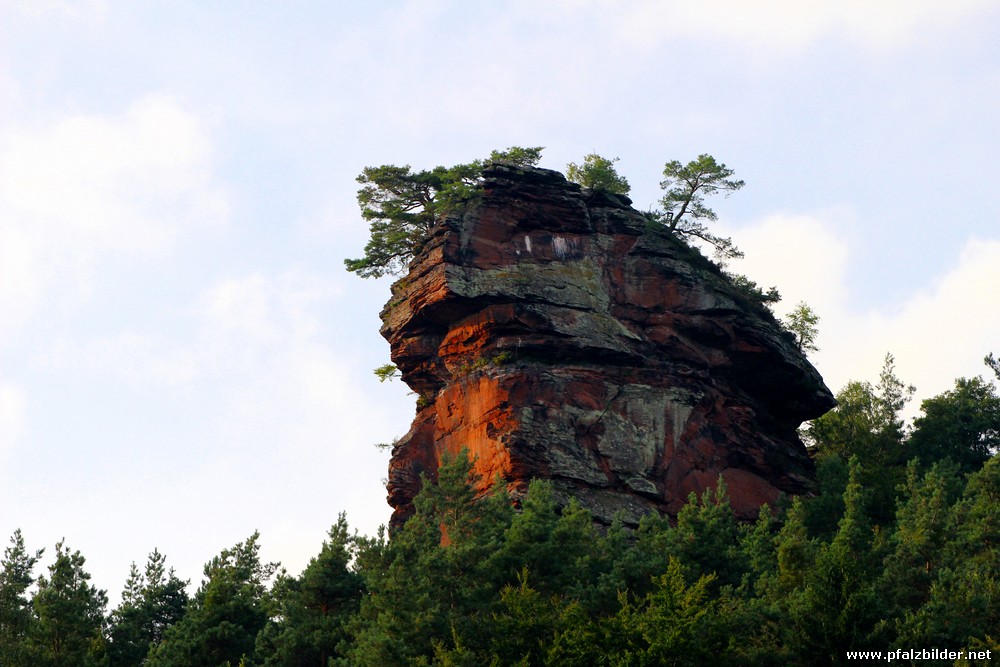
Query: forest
(897,549)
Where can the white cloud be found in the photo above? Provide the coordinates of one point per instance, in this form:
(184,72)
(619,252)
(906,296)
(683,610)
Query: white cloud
(243,317)
(800,255)
(237,328)
(139,359)
(274,388)
(78,189)
(789,25)
(945,331)
(289,382)
(940,332)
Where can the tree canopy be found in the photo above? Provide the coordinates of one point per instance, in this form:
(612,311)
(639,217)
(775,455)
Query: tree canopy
(993,363)
(684,210)
(802,321)
(16,617)
(228,611)
(962,425)
(69,615)
(401,206)
(598,173)
(153,600)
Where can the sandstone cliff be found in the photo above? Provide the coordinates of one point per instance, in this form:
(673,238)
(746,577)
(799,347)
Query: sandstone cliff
(556,334)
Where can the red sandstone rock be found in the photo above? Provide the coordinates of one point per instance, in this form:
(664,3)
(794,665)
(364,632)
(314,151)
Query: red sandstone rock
(556,334)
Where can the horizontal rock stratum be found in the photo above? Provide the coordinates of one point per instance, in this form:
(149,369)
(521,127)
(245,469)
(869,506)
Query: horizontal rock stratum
(557,333)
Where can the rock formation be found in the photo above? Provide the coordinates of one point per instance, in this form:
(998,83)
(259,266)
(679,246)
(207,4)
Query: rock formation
(556,333)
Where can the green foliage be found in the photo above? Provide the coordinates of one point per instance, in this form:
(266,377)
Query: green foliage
(753,292)
(867,423)
(69,613)
(824,510)
(599,174)
(502,358)
(402,205)
(524,624)
(17,623)
(795,552)
(435,579)
(560,549)
(230,607)
(838,599)
(963,604)
(962,425)
(917,547)
(802,322)
(483,362)
(993,364)
(675,624)
(705,539)
(517,155)
(386,372)
(684,210)
(153,600)
(309,625)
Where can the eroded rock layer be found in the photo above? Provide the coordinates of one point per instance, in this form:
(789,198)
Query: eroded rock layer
(557,334)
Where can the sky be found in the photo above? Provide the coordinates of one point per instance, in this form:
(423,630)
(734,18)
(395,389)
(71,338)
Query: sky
(184,359)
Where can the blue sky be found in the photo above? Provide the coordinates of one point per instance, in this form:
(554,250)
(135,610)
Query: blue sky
(183,359)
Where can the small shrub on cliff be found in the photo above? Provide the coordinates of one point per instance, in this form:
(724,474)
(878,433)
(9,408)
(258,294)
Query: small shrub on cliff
(750,290)
(598,173)
(386,372)
(802,322)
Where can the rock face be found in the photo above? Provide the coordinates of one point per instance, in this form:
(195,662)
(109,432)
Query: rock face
(557,334)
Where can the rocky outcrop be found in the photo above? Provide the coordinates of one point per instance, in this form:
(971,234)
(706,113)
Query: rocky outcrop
(556,333)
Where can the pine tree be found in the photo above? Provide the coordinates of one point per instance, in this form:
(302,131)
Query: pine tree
(401,206)
(436,581)
(16,618)
(598,173)
(70,612)
(963,607)
(684,210)
(706,537)
(868,423)
(228,610)
(962,424)
(836,609)
(675,624)
(152,601)
(560,550)
(311,611)
(923,531)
